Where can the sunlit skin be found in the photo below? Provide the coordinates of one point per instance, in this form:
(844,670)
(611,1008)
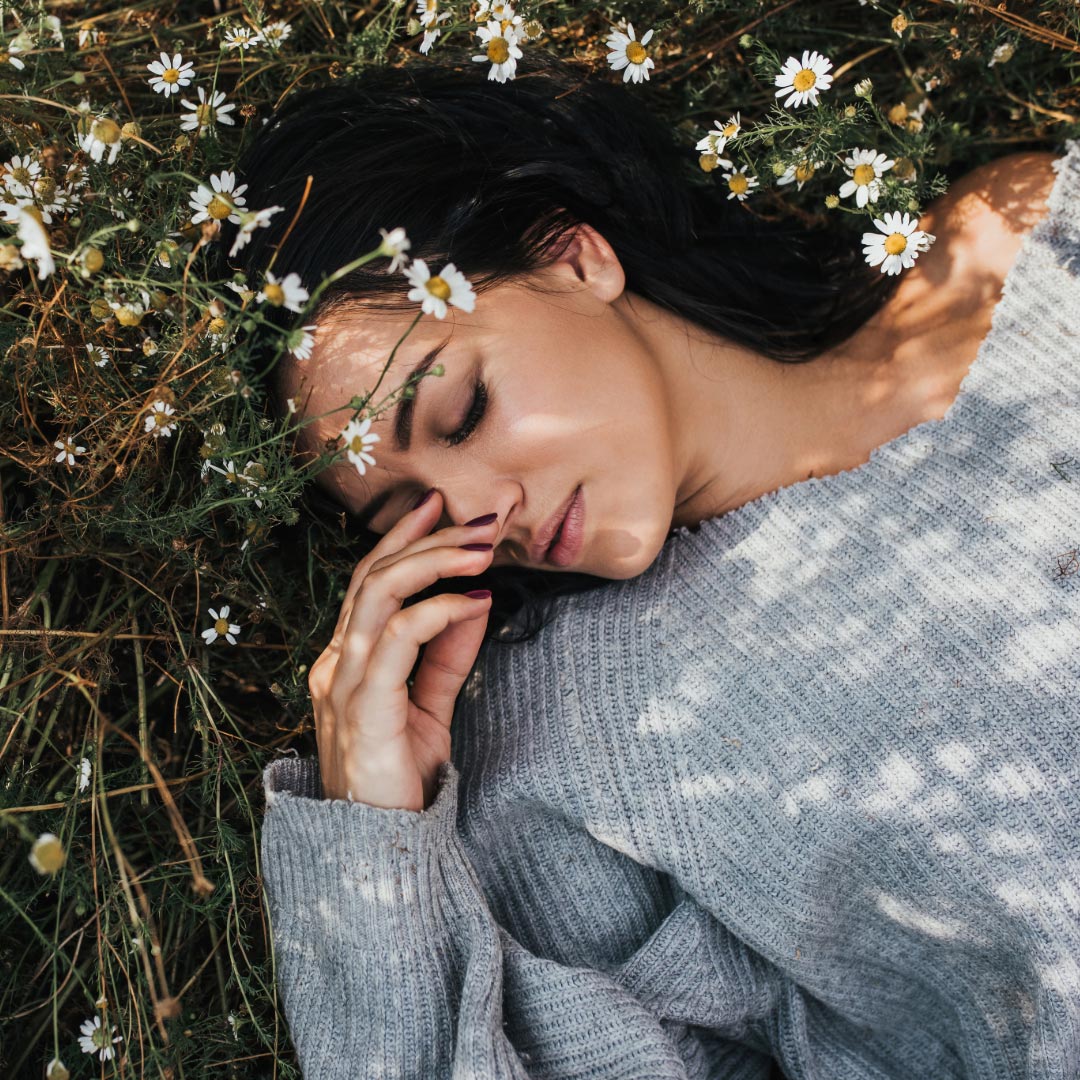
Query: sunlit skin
(664,424)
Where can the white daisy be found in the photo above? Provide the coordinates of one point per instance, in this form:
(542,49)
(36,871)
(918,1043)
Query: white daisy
(207,113)
(799,172)
(22,171)
(221,628)
(430,18)
(740,185)
(273,34)
(157,419)
(627,52)
(301,342)
(87,34)
(95,1039)
(68,450)
(501,50)
(242,291)
(84,774)
(450,284)
(394,244)
(288,292)
(494,9)
(357,440)
(104,134)
(713,142)
(47,854)
(35,240)
(802,81)
(225,201)
(7,55)
(241,37)
(898,243)
(55,28)
(865,167)
(171,75)
(250,220)
(130,312)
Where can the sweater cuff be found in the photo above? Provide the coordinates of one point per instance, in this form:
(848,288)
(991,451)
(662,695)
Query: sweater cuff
(368,876)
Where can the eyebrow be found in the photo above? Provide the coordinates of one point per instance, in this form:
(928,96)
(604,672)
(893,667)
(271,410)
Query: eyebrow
(402,426)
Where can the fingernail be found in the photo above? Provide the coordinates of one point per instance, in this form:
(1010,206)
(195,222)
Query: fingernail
(476,547)
(479,594)
(423,498)
(487,519)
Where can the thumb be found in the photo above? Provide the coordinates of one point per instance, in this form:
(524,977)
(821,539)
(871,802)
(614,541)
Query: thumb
(448,659)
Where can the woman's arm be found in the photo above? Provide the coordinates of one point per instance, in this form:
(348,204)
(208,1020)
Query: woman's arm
(390,962)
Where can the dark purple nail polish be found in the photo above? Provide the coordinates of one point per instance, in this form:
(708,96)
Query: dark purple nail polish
(479,594)
(423,498)
(487,519)
(476,547)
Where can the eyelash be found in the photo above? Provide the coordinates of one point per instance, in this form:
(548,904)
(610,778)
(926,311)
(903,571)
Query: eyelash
(476,414)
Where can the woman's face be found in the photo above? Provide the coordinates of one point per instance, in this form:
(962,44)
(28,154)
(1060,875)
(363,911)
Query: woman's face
(575,396)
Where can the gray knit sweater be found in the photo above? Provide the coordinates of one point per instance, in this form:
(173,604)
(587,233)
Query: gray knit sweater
(805,791)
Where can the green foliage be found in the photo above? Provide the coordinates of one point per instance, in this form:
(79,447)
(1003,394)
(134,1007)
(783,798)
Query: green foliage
(109,565)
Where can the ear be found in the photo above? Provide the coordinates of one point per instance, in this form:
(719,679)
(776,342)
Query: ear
(591,263)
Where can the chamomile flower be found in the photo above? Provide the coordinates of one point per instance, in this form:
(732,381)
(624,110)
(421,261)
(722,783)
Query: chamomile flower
(739,184)
(357,440)
(206,114)
(449,285)
(84,774)
(104,134)
(242,291)
(273,34)
(241,37)
(798,172)
(394,244)
(158,421)
(21,171)
(47,853)
(221,628)
(171,74)
(95,1039)
(494,9)
(7,55)
(629,53)
(250,220)
(501,49)
(713,142)
(287,293)
(865,167)
(35,240)
(87,36)
(301,342)
(430,17)
(803,80)
(898,243)
(68,450)
(225,201)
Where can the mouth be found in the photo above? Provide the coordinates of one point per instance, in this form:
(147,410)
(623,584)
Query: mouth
(566,544)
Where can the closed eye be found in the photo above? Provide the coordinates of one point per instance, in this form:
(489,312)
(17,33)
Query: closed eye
(474,416)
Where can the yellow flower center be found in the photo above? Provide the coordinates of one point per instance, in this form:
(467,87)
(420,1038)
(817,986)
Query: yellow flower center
(895,243)
(203,114)
(127,316)
(161,419)
(863,174)
(731,131)
(356,444)
(216,326)
(738,184)
(635,52)
(274,293)
(100,1038)
(222,627)
(21,174)
(804,79)
(4,56)
(45,186)
(219,208)
(50,855)
(438,288)
(106,131)
(498,52)
(170,75)
(804,171)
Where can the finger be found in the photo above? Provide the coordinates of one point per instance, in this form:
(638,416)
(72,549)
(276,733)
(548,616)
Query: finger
(448,659)
(381,697)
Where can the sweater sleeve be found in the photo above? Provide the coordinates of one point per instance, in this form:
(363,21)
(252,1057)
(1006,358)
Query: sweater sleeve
(390,963)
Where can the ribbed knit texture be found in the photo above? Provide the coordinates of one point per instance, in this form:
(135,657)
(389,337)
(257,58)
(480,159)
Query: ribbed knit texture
(804,790)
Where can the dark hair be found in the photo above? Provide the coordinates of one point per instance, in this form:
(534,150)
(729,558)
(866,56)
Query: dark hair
(494,177)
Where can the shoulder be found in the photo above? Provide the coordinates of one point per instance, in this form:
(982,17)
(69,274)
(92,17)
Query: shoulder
(985,214)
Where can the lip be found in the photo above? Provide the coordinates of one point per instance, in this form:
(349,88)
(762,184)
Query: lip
(538,551)
(573,533)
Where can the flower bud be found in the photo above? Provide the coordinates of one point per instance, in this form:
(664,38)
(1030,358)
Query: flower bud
(864,89)
(900,24)
(832,201)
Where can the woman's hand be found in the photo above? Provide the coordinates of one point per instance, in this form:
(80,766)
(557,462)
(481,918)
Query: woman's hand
(378,744)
